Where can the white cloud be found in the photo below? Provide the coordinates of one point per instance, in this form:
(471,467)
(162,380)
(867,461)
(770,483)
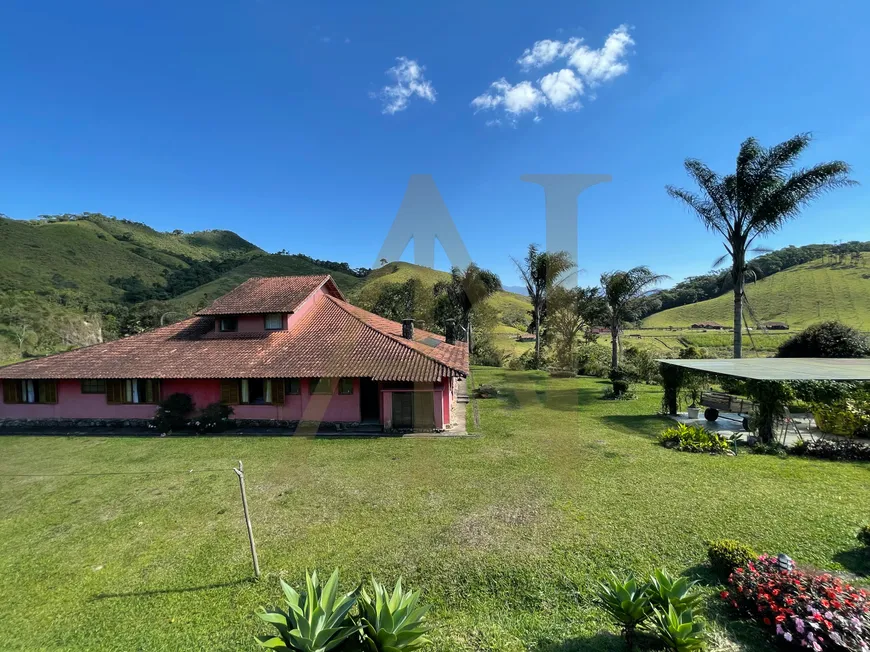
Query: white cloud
(410,82)
(546,52)
(515,100)
(582,68)
(596,66)
(562,89)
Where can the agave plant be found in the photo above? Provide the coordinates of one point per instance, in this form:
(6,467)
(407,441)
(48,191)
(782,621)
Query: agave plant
(626,601)
(678,629)
(392,623)
(664,590)
(318,620)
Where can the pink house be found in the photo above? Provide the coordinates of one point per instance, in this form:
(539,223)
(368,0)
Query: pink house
(287,349)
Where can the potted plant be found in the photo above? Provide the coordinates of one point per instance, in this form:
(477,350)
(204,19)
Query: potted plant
(692,391)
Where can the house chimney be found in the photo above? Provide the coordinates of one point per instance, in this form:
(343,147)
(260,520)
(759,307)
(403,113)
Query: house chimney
(450,332)
(408,329)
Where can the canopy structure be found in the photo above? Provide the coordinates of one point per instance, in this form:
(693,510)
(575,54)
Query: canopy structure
(843,369)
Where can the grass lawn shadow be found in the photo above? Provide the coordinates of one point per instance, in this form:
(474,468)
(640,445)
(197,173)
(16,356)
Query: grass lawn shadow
(603,641)
(185,589)
(856,560)
(644,425)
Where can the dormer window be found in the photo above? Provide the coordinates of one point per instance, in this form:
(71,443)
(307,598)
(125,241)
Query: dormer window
(228,324)
(274,321)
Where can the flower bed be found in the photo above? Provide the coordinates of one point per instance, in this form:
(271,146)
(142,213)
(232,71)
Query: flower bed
(818,612)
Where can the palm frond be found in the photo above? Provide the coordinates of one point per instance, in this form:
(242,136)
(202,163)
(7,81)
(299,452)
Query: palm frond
(705,209)
(798,190)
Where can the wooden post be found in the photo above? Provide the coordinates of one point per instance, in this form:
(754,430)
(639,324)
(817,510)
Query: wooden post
(241,473)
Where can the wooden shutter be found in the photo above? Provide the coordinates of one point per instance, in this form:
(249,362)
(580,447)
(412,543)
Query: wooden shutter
(152,392)
(230,392)
(11,391)
(115,391)
(277,391)
(47,391)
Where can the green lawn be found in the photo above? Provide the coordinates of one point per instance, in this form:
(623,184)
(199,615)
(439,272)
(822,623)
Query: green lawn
(506,534)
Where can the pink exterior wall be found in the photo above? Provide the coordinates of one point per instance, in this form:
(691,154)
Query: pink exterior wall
(72,404)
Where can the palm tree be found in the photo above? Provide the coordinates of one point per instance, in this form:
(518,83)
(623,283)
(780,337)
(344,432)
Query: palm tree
(465,289)
(623,292)
(540,271)
(764,192)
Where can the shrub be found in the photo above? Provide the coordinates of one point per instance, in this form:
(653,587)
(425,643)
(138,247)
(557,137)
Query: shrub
(316,620)
(525,362)
(213,418)
(727,554)
(864,535)
(693,439)
(641,365)
(664,591)
(830,339)
(819,612)
(626,601)
(847,450)
(485,391)
(619,390)
(680,630)
(847,417)
(692,352)
(173,412)
(593,360)
(392,623)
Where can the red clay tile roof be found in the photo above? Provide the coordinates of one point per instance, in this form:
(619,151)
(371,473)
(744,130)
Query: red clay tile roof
(333,339)
(271,294)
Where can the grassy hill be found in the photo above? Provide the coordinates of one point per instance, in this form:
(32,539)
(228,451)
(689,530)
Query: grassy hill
(800,296)
(267,265)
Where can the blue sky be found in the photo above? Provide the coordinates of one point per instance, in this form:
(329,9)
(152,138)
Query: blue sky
(268,117)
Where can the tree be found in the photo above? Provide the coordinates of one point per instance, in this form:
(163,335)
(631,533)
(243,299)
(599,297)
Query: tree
(398,301)
(624,294)
(572,311)
(541,271)
(459,296)
(765,191)
(830,339)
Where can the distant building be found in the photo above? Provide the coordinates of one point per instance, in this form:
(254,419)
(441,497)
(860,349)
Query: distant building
(710,325)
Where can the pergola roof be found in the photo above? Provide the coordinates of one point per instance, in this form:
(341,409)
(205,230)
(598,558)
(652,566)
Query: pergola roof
(782,368)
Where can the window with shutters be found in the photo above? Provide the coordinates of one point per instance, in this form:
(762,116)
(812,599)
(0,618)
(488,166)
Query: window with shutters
(274,321)
(133,391)
(230,394)
(319,386)
(30,391)
(293,386)
(345,386)
(93,386)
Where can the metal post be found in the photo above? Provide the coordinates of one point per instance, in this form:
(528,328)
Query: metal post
(241,473)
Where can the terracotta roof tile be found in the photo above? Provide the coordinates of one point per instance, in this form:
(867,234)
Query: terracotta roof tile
(271,294)
(333,339)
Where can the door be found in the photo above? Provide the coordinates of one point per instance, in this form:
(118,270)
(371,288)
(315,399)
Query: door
(413,410)
(369,400)
(403,409)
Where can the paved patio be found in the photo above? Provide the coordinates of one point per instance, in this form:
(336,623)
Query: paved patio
(730,423)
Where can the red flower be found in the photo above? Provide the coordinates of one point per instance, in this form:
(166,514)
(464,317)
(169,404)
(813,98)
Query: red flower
(780,618)
(767,621)
(724,595)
